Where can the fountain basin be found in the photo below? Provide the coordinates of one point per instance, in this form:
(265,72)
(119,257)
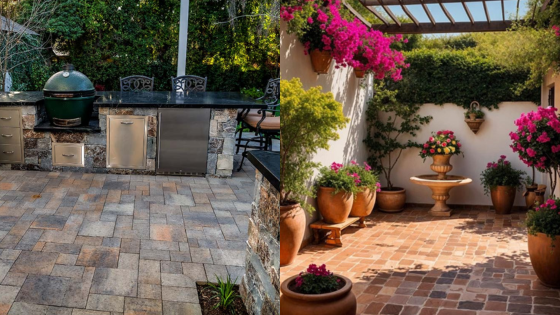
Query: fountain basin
(440,190)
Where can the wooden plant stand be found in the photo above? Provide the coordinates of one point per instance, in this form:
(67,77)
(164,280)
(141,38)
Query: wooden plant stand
(335,237)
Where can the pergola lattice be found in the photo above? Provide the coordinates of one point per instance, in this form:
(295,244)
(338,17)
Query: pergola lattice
(393,25)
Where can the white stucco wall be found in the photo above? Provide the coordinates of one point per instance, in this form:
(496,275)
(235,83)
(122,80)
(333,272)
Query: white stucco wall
(551,80)
(491,141)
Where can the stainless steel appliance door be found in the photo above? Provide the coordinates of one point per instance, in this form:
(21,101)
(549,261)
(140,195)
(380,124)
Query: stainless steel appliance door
(183,140)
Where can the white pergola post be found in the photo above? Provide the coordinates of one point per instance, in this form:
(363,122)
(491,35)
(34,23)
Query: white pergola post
(183,36)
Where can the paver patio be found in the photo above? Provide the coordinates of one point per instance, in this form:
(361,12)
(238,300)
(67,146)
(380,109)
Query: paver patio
(409,263)
(98,244)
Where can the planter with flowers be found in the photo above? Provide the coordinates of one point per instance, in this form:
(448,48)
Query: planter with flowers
(317,291)
(335,192)
(302,135)
(474,117)
(543,227)
(502,181)
(368,186)
(441,146)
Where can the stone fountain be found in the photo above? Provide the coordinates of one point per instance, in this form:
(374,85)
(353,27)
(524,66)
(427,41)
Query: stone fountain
(440,185)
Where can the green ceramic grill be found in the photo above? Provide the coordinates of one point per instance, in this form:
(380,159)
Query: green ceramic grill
(69,97)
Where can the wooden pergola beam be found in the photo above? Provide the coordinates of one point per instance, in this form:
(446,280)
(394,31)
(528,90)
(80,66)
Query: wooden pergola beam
(356,14)
(413,2)
(428,13)
(410,15)
(389,12)
(503,11)
(378,15)
(468,12)
(444,9)
(458,27)
(486,11)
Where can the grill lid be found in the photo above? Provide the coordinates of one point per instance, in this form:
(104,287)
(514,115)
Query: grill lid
(70,82)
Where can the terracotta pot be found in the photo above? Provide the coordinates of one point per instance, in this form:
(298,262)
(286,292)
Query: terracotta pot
(321,61)
(474,125)
(391,200)
(341,302)
(363,203)
(441,165)
(545,258)
(472,116)
(530,196)
(359,73)
(335,208)
(503,198)
(292,229)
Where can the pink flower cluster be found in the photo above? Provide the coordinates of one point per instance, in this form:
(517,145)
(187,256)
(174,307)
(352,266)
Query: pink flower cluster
(556,30)
(336,166)
(495,165)
(537,139)
(356,177)
(550,204)
(320,271)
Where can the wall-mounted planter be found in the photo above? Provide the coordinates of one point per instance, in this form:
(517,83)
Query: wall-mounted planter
(474,124)
(360,74)
(321,61)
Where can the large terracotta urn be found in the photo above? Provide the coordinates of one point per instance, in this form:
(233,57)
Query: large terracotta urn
(321,61)
(545,258)
(292,229)
(334,207)
(391,200)
(441,165)
(530,196)
(340,302)
(363,203)
(503,198)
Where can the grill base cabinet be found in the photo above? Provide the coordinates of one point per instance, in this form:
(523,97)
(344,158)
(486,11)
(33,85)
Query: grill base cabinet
(127,138)
(11,136)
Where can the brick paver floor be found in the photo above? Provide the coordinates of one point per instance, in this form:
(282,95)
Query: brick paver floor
(97,244)
(409,263)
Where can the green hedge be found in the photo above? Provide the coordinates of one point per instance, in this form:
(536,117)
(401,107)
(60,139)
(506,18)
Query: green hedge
(460,77)
(111,39)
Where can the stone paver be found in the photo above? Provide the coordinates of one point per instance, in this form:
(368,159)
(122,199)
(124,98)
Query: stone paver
(104,244)
(409,263)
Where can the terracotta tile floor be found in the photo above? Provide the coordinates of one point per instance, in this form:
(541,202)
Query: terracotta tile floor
(473,263)
(98,244)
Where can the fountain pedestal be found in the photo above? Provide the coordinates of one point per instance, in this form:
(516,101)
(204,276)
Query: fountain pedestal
(440,190)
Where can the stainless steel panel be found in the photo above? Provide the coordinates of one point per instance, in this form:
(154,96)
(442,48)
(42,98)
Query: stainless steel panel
(183,140)
(11,153)
(68,154)
(10,135)
(10,117)
(127,141)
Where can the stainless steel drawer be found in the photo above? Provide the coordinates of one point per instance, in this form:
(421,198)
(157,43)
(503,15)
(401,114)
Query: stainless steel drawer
(68,154)
(127,138)
(10,153)
(10,117)
(10,135)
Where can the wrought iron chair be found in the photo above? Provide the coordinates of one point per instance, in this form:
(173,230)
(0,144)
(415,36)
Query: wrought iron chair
(137,83)
(264,122)
(188,83)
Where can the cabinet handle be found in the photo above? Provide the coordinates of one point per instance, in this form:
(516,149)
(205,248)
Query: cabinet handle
(68,155)
(126,122)
(7,136)
(6,118)
(9,152)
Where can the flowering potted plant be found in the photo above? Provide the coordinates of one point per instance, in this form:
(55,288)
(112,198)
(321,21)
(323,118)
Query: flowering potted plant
(441,146)
(543,227)
(474,117)
(317,291)
(302,135)
(537,142)
(502,181)
(335,195)
(368,186)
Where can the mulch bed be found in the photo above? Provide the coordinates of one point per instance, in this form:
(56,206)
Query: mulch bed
(207,305)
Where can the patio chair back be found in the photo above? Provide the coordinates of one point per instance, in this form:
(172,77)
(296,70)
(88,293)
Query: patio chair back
(271,93)
(137,83)
(188,83)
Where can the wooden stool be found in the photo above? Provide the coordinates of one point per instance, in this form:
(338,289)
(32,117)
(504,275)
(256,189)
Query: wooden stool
(335,237)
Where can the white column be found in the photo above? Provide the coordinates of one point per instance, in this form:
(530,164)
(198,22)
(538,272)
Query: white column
(183,35)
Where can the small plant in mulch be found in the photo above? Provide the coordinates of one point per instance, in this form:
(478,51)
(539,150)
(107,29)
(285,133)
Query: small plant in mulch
(221,298)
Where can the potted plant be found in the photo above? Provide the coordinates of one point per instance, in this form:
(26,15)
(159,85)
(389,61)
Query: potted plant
(317,291)
(388,121)
(335,192)
(502,181)
(368,186)
(537,142)
(441,146)
(474,118)
(543,227)
(303,133)
(374,54)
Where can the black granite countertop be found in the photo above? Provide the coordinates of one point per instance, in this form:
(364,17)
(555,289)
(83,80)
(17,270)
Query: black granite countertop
(268,163)
(21,98)
(147,99)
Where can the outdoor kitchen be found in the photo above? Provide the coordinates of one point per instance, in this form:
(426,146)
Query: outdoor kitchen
(71,127)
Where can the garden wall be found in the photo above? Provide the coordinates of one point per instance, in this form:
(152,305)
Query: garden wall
(345,88)
(551,80)
(491,141)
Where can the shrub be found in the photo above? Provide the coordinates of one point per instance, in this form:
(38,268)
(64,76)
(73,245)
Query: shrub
(366,177)
(224,293)
(339,178)
(501,173)
(316,280)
